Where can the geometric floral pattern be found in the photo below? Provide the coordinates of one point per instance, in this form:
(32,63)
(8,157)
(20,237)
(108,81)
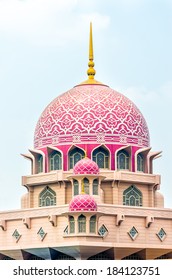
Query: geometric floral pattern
(83,202)
(90,112)
(86,166)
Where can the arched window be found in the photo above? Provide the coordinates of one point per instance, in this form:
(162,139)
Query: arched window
(101,157)
(76,187)
(86,185)
(140,163)
(122,160)
(93,224)
(74,156)
(55,161)
(81,223)
(132,196)
(40,163)
(71,224)
(47,197)
(95,187)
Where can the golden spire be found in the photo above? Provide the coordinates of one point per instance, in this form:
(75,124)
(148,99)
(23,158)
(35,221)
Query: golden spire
(91,71)
(82,187)
(85,151)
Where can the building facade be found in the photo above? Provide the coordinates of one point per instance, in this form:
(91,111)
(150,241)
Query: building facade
(92,192)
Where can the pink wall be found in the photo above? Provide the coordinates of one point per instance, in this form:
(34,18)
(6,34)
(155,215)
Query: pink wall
(112,148)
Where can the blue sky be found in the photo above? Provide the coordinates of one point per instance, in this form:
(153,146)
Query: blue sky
(44,52)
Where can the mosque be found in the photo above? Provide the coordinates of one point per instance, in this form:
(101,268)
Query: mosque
(92,193)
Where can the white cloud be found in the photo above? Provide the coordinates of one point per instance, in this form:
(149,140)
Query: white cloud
(144,96)
(46,22)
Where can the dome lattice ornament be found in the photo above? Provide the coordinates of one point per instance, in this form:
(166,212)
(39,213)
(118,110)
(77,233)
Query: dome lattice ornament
(83,202)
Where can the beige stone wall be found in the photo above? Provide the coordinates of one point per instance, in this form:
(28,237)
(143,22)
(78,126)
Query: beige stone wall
(112,187)
(117,236)
(112,193)
(107,190)
(68,192)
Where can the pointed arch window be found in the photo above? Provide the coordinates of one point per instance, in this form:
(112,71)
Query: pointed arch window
(122,160)
(93,224)
(81,224)
(47,197)
(95,187)
(55,161)
(101,157)
(132,196)
(40,163)
(74,156)
(140,162)
(86,186)
(71,224)
(76,187)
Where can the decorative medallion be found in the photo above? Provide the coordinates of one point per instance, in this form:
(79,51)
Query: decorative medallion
(16,235)
(103,230)
(161,234)
(133,233)
(41,234)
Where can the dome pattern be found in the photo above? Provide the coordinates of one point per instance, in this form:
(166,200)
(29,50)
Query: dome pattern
(91,113)
(86,166)
(83,202)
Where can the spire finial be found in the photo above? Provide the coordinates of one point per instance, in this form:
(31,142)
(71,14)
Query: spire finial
(91,55)
(91,71)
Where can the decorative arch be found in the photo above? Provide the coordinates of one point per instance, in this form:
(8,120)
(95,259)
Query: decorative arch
(81,224)
(93,224)
(95,186)
(47,197)
(101,156)
(75,187)
(74,156)
(123,160)
(132,196)
(55,160)
(71,224)
(86,185)
(140,162)
(40,163)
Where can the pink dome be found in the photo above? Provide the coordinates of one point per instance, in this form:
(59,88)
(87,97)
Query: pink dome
(83,202)
(91,113)
(86,166)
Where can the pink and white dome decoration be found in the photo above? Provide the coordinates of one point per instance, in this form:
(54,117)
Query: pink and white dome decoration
(86,166)
(91,113)
(83,202)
